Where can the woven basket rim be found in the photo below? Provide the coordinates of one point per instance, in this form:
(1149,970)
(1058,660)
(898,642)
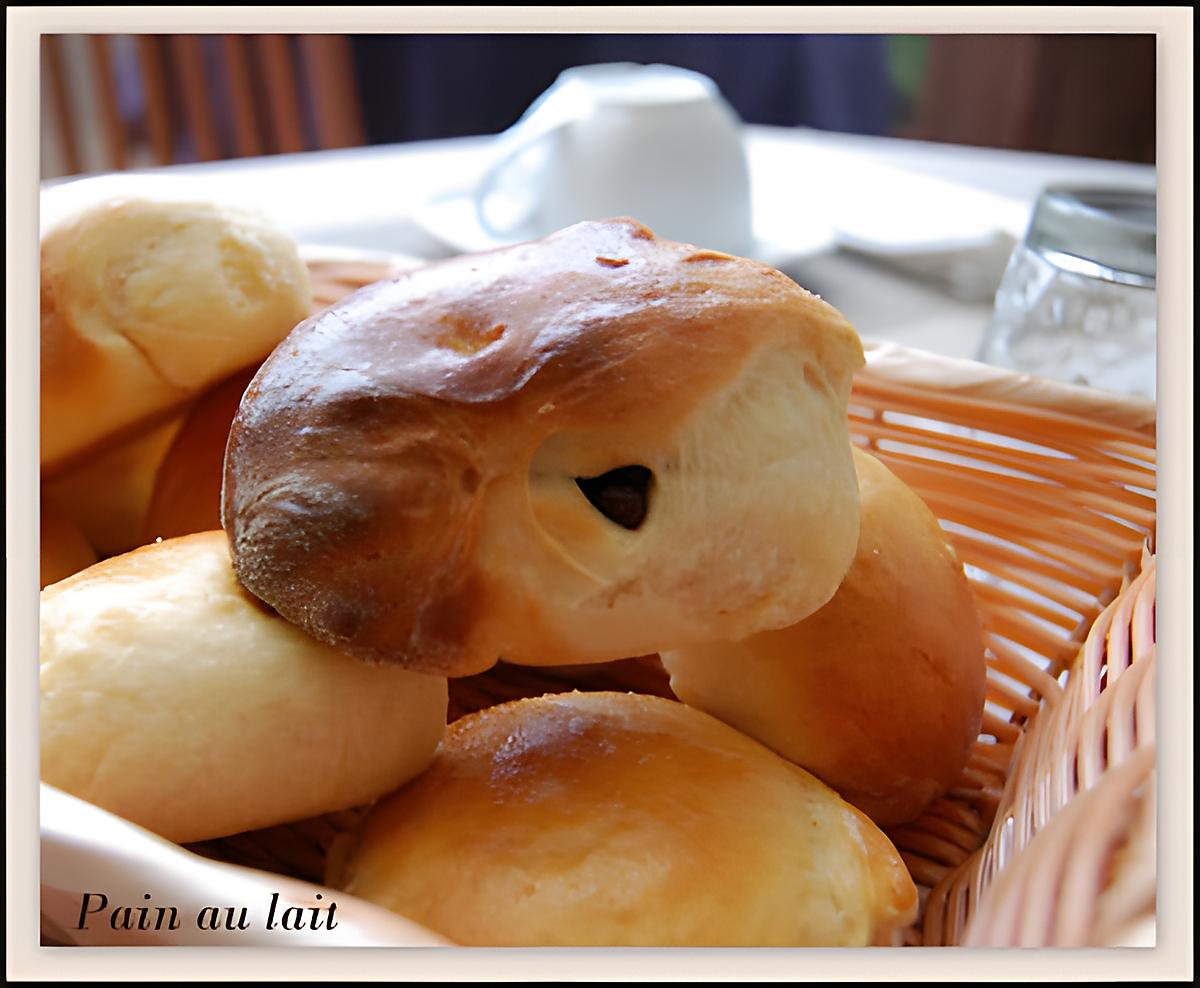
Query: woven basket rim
(904,365)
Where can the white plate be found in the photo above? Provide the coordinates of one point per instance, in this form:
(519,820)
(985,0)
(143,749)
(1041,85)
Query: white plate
(452,219)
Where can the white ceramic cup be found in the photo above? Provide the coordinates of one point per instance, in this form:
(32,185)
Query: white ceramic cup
(654,142)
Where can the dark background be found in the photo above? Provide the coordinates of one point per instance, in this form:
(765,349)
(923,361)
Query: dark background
(120,101)
(422,87)
(1089,95)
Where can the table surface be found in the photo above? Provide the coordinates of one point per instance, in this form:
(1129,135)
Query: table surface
(872,224)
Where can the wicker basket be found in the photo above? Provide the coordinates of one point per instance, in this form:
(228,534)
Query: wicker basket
(1047,492)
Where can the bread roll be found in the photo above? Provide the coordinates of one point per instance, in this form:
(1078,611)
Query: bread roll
(187,489)
(597,819)
(171,697)
(108,495)
(880,693)
(187,486)
(579,449)
(64,548)
(146,303)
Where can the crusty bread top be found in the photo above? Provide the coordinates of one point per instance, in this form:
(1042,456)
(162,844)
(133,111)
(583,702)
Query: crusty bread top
(386,477)
(611,819)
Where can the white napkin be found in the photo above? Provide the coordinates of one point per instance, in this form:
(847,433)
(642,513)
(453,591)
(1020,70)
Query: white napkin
(85,849)
(957,237)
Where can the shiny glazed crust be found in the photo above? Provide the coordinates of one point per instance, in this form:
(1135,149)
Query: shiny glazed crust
(400,478)
(604,819)
(880,693)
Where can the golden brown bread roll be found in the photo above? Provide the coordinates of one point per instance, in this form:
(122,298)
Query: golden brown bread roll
(171,697)
(146,303)
(187,485)
(880,693)
(64,548)
(587,447)
(108,494)
(597,819)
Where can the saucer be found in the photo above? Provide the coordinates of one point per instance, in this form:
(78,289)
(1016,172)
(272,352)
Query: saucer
(452,218)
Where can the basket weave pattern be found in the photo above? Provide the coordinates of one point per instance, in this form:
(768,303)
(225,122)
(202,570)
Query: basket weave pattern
(1047,494)
(1048,838)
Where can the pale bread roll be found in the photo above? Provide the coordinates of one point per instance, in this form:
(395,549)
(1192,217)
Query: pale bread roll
(171,697)
(591,446)
(65,550)
(880,693)
(598,819)
(146,303)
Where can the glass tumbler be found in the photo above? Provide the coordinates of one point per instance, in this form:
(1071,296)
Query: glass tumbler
(1077,302)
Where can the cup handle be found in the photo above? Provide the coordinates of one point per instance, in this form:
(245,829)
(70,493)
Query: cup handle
(560,105)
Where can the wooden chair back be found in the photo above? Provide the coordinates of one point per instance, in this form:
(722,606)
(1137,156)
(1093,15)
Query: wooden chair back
(203,97)
(1075,94)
